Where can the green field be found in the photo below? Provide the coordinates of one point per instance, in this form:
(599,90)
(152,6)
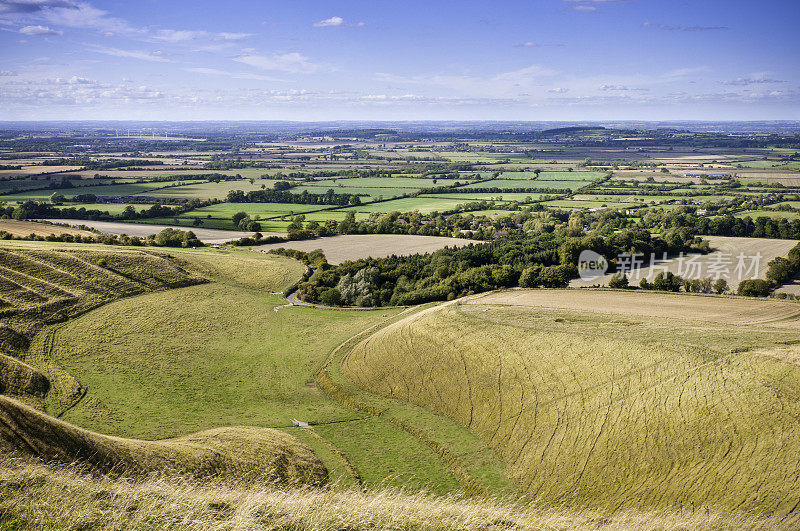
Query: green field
(554,175)
(409,204)
(262,210)
(111,208)
(569,203)
(149,189)
(367,193)
(210,190)
(496,196)
(378,182)
(774,214)
(519,183)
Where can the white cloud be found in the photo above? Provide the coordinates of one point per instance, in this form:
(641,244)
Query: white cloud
(503,84)
(227,36)
(132,54)
(289,62)
(7,73)
(84,15)
(558,90)
(170,35)
(530,44)
(329,22)
(754,80)
(38,30)
(683,72)
(590,5)
(335,22)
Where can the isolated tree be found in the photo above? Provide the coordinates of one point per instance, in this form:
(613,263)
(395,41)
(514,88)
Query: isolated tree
(720,286)
(56,197)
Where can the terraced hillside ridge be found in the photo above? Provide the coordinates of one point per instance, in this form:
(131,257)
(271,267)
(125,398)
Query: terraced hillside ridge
(40,286)
(235,453)
(610,400)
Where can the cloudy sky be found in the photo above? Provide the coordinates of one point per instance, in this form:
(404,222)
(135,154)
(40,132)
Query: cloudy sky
(381,59)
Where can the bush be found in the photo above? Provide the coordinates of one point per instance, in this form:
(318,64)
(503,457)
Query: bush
(618,281)
(720,286)
(754,288)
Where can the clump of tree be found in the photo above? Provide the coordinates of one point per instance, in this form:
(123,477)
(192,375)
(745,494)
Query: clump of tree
(174,238)
(166,238)
(619,281)
(243,222)
(754,288)
(528,259)
(284,196)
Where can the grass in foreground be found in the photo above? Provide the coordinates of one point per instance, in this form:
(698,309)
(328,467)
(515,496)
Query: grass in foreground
(33,496)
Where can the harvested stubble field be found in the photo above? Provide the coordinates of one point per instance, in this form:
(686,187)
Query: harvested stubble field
(143,230)
(726,252)
(23,229)
(338,249)
(693,401)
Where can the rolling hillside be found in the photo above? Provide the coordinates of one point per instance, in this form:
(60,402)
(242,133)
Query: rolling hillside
(41,285)
(692,402)
(230,454)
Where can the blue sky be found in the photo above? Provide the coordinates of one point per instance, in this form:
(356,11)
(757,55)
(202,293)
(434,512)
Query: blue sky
(437,59)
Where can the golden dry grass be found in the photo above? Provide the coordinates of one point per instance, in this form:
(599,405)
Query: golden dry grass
(613,407)
(33,496)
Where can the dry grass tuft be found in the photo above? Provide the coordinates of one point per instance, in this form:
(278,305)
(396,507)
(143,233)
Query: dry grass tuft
(33,496)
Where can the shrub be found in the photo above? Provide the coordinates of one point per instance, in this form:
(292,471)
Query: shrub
(754,288)
(618,281)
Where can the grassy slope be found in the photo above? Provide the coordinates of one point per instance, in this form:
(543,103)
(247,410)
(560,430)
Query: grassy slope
(193,359)
(603,410)
(232,454)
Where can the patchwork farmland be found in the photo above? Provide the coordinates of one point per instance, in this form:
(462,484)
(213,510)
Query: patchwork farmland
(372,329)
